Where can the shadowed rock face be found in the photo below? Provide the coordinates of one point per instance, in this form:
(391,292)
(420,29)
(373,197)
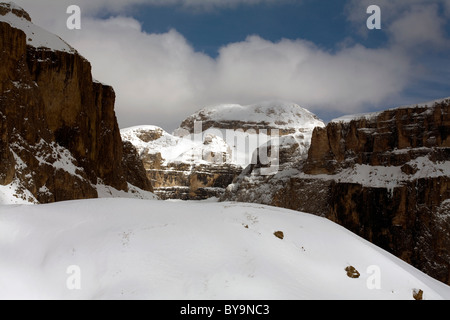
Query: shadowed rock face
(58,130)
(134,170)
(7,168)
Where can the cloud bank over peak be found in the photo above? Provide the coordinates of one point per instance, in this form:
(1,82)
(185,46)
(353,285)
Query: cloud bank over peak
(159,75)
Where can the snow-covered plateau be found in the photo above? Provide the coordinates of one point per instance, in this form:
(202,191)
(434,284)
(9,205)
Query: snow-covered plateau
(152,249)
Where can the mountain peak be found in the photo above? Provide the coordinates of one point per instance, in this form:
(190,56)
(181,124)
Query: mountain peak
(36,37)
(285,116)
(11,7)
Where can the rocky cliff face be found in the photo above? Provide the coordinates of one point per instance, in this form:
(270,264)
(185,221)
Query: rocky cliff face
(59,134)
(389,138)
(385,176)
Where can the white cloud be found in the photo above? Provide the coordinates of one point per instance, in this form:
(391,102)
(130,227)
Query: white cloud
(160,78)
(299,71)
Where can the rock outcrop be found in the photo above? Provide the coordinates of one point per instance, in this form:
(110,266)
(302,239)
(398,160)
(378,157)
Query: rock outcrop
(384,176)
(59,133)
(134,170)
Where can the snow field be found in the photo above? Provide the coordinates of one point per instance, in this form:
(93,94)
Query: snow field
(148,249)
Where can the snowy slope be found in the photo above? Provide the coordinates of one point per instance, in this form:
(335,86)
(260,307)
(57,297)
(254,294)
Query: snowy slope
(105,191)
(36,36)
(16,194)
(135,249)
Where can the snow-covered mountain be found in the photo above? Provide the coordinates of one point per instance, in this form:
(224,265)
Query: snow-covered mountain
(100,249)
(59,137)
(187,167)
(215,144)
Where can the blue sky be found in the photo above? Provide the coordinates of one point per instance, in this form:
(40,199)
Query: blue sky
(167,59)
(320,21)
